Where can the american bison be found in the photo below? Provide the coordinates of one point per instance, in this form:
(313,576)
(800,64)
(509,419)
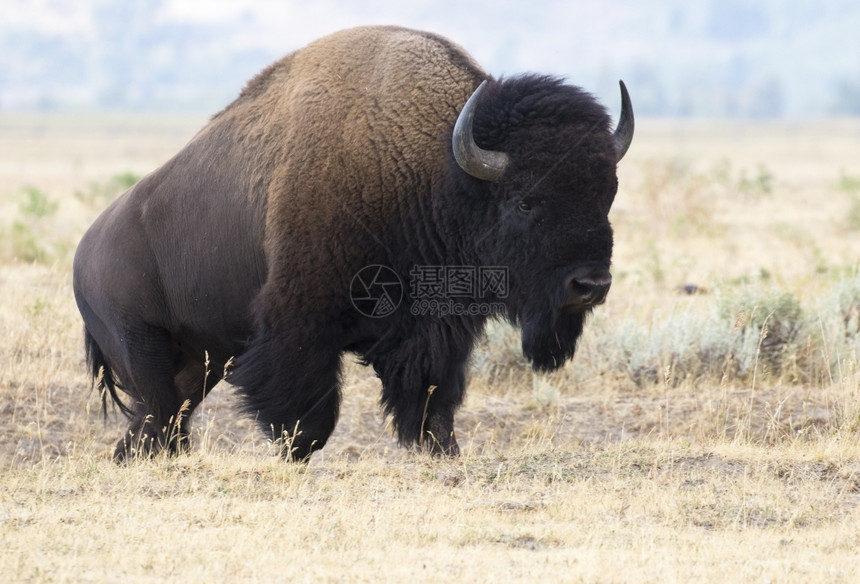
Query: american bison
(373,147)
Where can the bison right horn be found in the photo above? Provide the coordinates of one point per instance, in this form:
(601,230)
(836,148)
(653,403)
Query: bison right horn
(483,164)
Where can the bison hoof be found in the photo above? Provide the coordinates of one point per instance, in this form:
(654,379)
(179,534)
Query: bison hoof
(444,447)
(298,448)
(135,445)
(131,447)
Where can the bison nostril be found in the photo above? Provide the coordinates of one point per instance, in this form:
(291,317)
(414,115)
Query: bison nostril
(587,286)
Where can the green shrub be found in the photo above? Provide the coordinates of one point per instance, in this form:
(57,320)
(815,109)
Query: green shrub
(758,184)
(848,184)
(36,204)
(767,325)
(749,331)
(854,214)
(21,244)
(840,321)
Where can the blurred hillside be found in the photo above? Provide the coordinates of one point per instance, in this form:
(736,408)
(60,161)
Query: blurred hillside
(714,58)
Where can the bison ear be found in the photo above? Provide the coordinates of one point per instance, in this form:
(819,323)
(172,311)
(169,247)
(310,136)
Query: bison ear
(483,164)
(623,135)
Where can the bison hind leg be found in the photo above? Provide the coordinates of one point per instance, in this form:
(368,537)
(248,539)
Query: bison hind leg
(163,424)
(193,380)
(142,439)
(149,434)
(145,364)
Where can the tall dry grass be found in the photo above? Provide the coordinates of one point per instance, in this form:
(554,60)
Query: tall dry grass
(697,436)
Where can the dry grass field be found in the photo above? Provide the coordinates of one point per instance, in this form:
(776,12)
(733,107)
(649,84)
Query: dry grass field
(708,430)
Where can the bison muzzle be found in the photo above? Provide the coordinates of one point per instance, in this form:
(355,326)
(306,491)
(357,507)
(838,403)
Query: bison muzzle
(376,146)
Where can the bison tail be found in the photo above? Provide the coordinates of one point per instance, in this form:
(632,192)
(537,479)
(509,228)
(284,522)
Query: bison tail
(103,376)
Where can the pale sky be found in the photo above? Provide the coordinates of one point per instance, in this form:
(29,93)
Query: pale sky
(676,55)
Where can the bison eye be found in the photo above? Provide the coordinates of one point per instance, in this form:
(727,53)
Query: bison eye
(524,206)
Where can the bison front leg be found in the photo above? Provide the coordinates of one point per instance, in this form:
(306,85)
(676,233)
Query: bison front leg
(423,396)
(437,432)
(293,391)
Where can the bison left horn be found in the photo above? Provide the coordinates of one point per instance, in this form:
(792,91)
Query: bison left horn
(624,130)
(482,164)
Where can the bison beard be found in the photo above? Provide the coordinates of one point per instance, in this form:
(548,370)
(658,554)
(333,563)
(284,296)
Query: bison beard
(550,340)
(550,330)
(373,146)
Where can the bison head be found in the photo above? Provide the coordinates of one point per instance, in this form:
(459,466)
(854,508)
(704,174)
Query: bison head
(538,160)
